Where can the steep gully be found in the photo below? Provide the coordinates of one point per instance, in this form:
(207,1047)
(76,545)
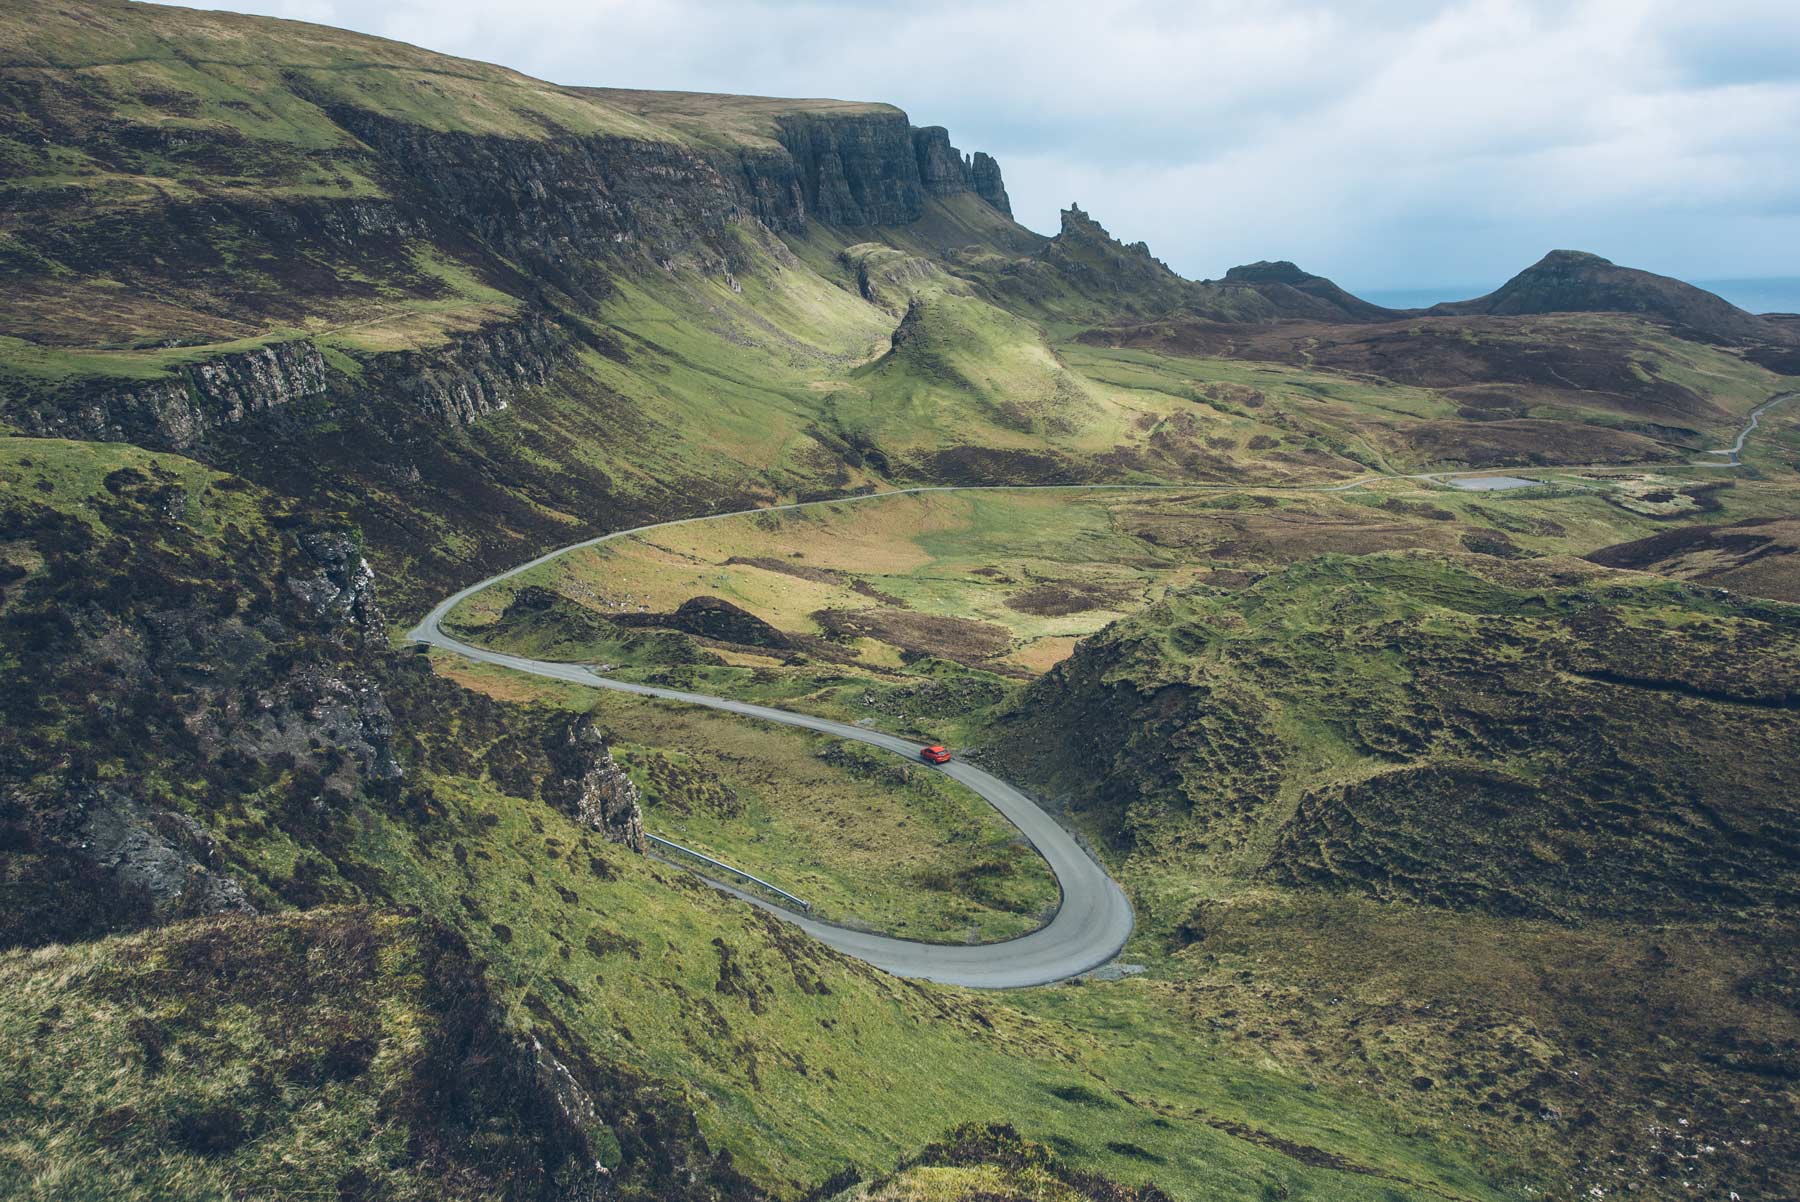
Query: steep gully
(1094,918)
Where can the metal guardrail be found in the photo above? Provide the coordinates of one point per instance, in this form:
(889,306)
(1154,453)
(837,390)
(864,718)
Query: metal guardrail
(738,872)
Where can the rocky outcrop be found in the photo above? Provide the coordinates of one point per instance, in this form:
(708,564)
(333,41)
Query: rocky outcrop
(339,718)
(1081,235)
(176,413)
(942,171)
(888,277)
(475,374)
(588,784)
(343,589)
(162,854)
(945,171)
(984,178)
(871,169)
(1099,266)
(87,859)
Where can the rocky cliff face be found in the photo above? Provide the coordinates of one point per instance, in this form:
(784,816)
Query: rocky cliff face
(177,413)
(162,856)
(476,374)
(343,589)
(1123,275)
(472,375)
(871,169)
(219,688)
(559,208)
(984,176)
(945,171)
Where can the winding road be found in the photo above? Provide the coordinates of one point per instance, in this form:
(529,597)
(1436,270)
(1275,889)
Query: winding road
(1090,925)
(1735,451)
(1094,918)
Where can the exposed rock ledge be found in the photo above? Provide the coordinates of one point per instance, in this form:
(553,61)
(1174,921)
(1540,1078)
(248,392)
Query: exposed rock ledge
(479,373)
(474,374)
(177,412)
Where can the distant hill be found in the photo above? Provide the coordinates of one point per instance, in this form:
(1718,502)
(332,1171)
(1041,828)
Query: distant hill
(1573,281)
(1297,293)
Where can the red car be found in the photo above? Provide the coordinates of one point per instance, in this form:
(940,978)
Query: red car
(935,754)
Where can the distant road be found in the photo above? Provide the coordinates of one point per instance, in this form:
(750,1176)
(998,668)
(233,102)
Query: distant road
(1735,450)
(1094,919)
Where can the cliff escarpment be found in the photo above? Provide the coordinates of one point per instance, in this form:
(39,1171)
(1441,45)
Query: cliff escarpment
(475,374)
(875,169)
(183,245)
(178,411)
(560,210)
(452,384)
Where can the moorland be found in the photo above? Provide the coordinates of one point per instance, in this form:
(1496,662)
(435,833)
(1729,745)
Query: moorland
(1457,822)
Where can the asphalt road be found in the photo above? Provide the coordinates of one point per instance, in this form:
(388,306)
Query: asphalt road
(1094,919)
(1091,923)
(1735,451)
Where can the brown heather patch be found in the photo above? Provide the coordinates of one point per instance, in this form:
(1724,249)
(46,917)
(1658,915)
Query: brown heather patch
(960,639)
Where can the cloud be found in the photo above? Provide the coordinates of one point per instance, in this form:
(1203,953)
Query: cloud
(1386,142)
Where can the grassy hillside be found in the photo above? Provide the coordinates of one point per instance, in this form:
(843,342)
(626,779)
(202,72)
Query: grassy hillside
(208,732)
(1462,863)
(338,1052)
(1480,392)
(1463,831)
(918,611)
(480,313)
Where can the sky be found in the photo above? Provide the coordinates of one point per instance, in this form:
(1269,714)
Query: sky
(1388,144)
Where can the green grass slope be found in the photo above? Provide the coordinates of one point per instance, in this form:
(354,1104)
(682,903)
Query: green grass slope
(342,1053)
(209,728)
(1463,831)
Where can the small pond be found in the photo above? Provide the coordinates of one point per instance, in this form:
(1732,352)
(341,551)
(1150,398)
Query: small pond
(1492,483)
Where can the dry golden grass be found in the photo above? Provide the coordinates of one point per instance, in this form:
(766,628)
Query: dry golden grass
(1043,654)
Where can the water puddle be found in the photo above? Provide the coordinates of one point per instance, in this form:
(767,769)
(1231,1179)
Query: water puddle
(1491,483)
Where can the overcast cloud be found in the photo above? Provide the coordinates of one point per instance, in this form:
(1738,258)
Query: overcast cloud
(1386,143)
